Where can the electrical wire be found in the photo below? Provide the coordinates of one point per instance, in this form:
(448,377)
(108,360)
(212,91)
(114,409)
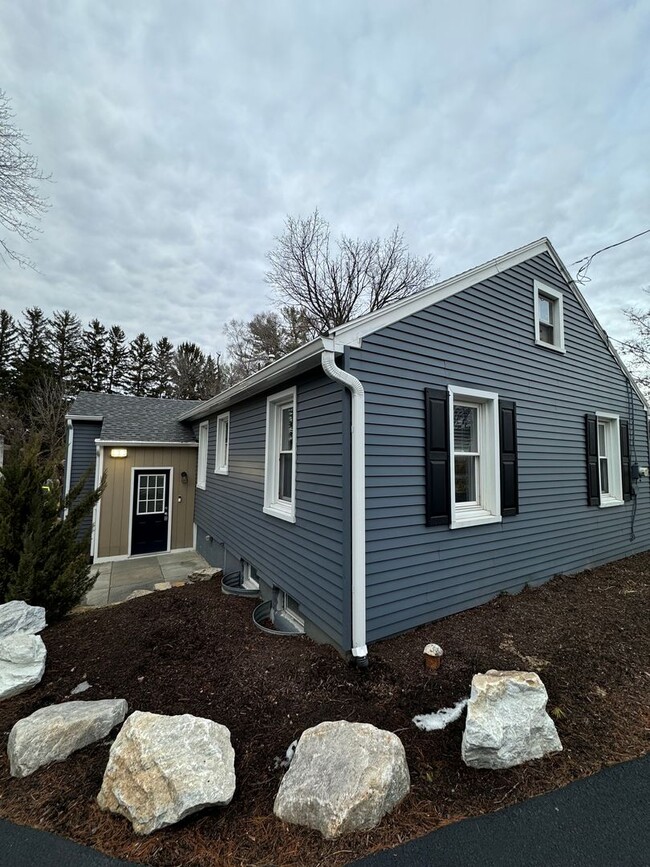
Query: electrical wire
(581,276)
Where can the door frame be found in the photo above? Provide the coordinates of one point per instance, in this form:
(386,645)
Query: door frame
(171,505)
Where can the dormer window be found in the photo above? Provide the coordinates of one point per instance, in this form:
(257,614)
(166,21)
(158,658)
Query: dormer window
(549,317)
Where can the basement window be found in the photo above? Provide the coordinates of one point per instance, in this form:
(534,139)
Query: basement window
(249,576)
(286,612)
(549,317)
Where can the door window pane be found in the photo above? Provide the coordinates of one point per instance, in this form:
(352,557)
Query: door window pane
(151,494)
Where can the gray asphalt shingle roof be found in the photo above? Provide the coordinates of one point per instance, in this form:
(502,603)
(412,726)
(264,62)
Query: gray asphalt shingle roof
(136,419)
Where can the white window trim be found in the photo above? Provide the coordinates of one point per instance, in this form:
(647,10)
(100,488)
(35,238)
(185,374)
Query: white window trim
(223,419)
(613,433)
(543,289)
(272,505)
(489,509)
(202,456)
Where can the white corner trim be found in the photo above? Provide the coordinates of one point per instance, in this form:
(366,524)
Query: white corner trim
(68,463)
(272,505)
(97,509)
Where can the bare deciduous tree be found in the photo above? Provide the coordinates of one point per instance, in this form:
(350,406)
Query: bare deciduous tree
(333,282)
(47,408)
(21,204)
(636,350)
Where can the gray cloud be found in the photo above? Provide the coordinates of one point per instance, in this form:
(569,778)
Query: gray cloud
(180,135)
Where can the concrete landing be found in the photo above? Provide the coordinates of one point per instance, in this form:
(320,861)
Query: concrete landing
(119,578)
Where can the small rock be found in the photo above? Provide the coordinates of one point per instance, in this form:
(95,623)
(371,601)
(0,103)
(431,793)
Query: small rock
(163,585)
(136,594)
(81,687)
(208,573)
(18,616)
(343,777)
(507,723)
(163,768)
(178,584)
(22,663)
(52,733)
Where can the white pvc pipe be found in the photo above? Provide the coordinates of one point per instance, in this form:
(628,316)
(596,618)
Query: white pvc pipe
(358,468)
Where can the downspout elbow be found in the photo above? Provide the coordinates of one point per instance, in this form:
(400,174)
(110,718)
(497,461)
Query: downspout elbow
(358,518)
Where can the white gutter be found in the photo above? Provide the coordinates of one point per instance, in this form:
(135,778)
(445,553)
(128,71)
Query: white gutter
(358,518)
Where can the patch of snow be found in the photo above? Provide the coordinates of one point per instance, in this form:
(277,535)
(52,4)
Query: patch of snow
(288,757)
(432,722)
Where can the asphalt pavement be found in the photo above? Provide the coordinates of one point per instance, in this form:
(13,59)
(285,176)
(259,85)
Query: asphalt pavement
(601,821)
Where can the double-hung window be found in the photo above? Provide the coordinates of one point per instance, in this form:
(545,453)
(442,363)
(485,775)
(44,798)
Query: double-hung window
(549,317)
(221,451)
(609,460)
(280,464)
(474,438)
(202,457)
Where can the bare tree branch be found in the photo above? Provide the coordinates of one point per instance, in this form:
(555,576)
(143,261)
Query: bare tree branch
(333,283)
(21,204)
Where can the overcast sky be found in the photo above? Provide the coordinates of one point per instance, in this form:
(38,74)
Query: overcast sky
(180,134)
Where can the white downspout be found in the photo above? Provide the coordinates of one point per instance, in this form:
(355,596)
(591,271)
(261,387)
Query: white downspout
(358,469)
(68,464)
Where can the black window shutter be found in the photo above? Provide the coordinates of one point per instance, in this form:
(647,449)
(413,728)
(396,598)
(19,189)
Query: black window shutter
(437,456)
(508,447)
(626,470)
(591,442)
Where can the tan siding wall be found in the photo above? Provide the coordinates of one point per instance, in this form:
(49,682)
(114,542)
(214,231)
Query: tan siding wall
(116,502)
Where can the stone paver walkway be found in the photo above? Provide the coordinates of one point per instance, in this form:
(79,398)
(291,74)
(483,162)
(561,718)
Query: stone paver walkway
(116,580)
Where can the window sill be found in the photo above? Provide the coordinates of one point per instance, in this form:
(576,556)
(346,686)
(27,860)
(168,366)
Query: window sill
(221,472)
(286,514)
(474,520)
(552,346)
(611,501)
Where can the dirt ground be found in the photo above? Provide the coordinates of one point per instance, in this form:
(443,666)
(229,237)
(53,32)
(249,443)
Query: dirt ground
(193,650)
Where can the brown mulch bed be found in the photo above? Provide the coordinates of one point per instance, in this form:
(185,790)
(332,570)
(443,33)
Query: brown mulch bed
(192,650)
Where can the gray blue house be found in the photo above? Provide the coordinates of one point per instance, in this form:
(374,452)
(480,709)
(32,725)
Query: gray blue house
(474,438)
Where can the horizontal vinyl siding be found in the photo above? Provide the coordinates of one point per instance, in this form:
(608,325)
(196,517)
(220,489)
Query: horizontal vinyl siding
(305,558)
(484,338)
(83,458)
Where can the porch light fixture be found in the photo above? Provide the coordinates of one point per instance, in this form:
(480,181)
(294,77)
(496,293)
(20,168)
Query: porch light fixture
(119,453)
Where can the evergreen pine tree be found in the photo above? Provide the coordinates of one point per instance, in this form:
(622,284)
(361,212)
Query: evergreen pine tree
(65,348)
(140,375)
(8,337)
(93,365)
(117,355)
(187,376)
(43,556)
(33,362)
(211,382)
(162,368)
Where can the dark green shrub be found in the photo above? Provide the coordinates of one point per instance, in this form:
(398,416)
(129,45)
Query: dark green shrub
(43,555)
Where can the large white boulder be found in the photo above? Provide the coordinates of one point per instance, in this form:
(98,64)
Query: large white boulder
(18,616)
(162,768)
(343,777)
(507,723)
(52,733)
(22,663)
